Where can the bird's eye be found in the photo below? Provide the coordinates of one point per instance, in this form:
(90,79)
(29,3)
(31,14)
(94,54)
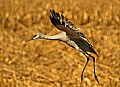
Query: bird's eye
(35,35)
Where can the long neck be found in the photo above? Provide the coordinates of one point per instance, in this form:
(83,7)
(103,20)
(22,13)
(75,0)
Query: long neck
(60,36)
(50,37)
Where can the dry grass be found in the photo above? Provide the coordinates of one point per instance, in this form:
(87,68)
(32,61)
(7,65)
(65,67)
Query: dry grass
(53,63)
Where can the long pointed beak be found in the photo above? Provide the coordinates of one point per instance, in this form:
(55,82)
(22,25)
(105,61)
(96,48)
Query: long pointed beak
(29,40)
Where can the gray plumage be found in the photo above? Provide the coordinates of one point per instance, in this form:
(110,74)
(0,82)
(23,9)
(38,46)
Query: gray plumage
(70,36)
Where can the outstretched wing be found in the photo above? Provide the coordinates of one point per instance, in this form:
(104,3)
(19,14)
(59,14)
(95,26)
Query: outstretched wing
(62,23)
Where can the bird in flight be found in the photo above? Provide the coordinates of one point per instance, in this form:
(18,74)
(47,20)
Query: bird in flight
(71,36)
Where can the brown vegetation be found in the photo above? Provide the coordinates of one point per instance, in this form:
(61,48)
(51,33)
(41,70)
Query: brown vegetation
(53,63)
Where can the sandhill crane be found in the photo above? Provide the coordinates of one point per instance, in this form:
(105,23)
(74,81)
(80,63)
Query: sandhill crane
(70,36)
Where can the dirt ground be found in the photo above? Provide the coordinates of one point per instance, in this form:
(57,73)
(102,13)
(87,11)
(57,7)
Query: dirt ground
(47,63)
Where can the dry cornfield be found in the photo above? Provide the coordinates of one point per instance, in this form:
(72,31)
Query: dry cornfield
(47,63)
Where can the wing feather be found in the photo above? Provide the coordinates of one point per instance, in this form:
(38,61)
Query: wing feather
(59,19)
(62,23)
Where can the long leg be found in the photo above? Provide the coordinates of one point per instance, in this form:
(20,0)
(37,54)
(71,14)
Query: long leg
(84,67)
(95,76)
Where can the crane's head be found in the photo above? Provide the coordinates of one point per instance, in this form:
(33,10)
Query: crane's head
(37,36)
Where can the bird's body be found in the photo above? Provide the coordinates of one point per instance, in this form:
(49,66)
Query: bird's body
(70,36)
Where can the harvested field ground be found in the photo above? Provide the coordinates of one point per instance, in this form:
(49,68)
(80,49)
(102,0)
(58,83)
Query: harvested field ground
(47,63)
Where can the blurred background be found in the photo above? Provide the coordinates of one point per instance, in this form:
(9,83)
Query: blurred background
(47,63)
